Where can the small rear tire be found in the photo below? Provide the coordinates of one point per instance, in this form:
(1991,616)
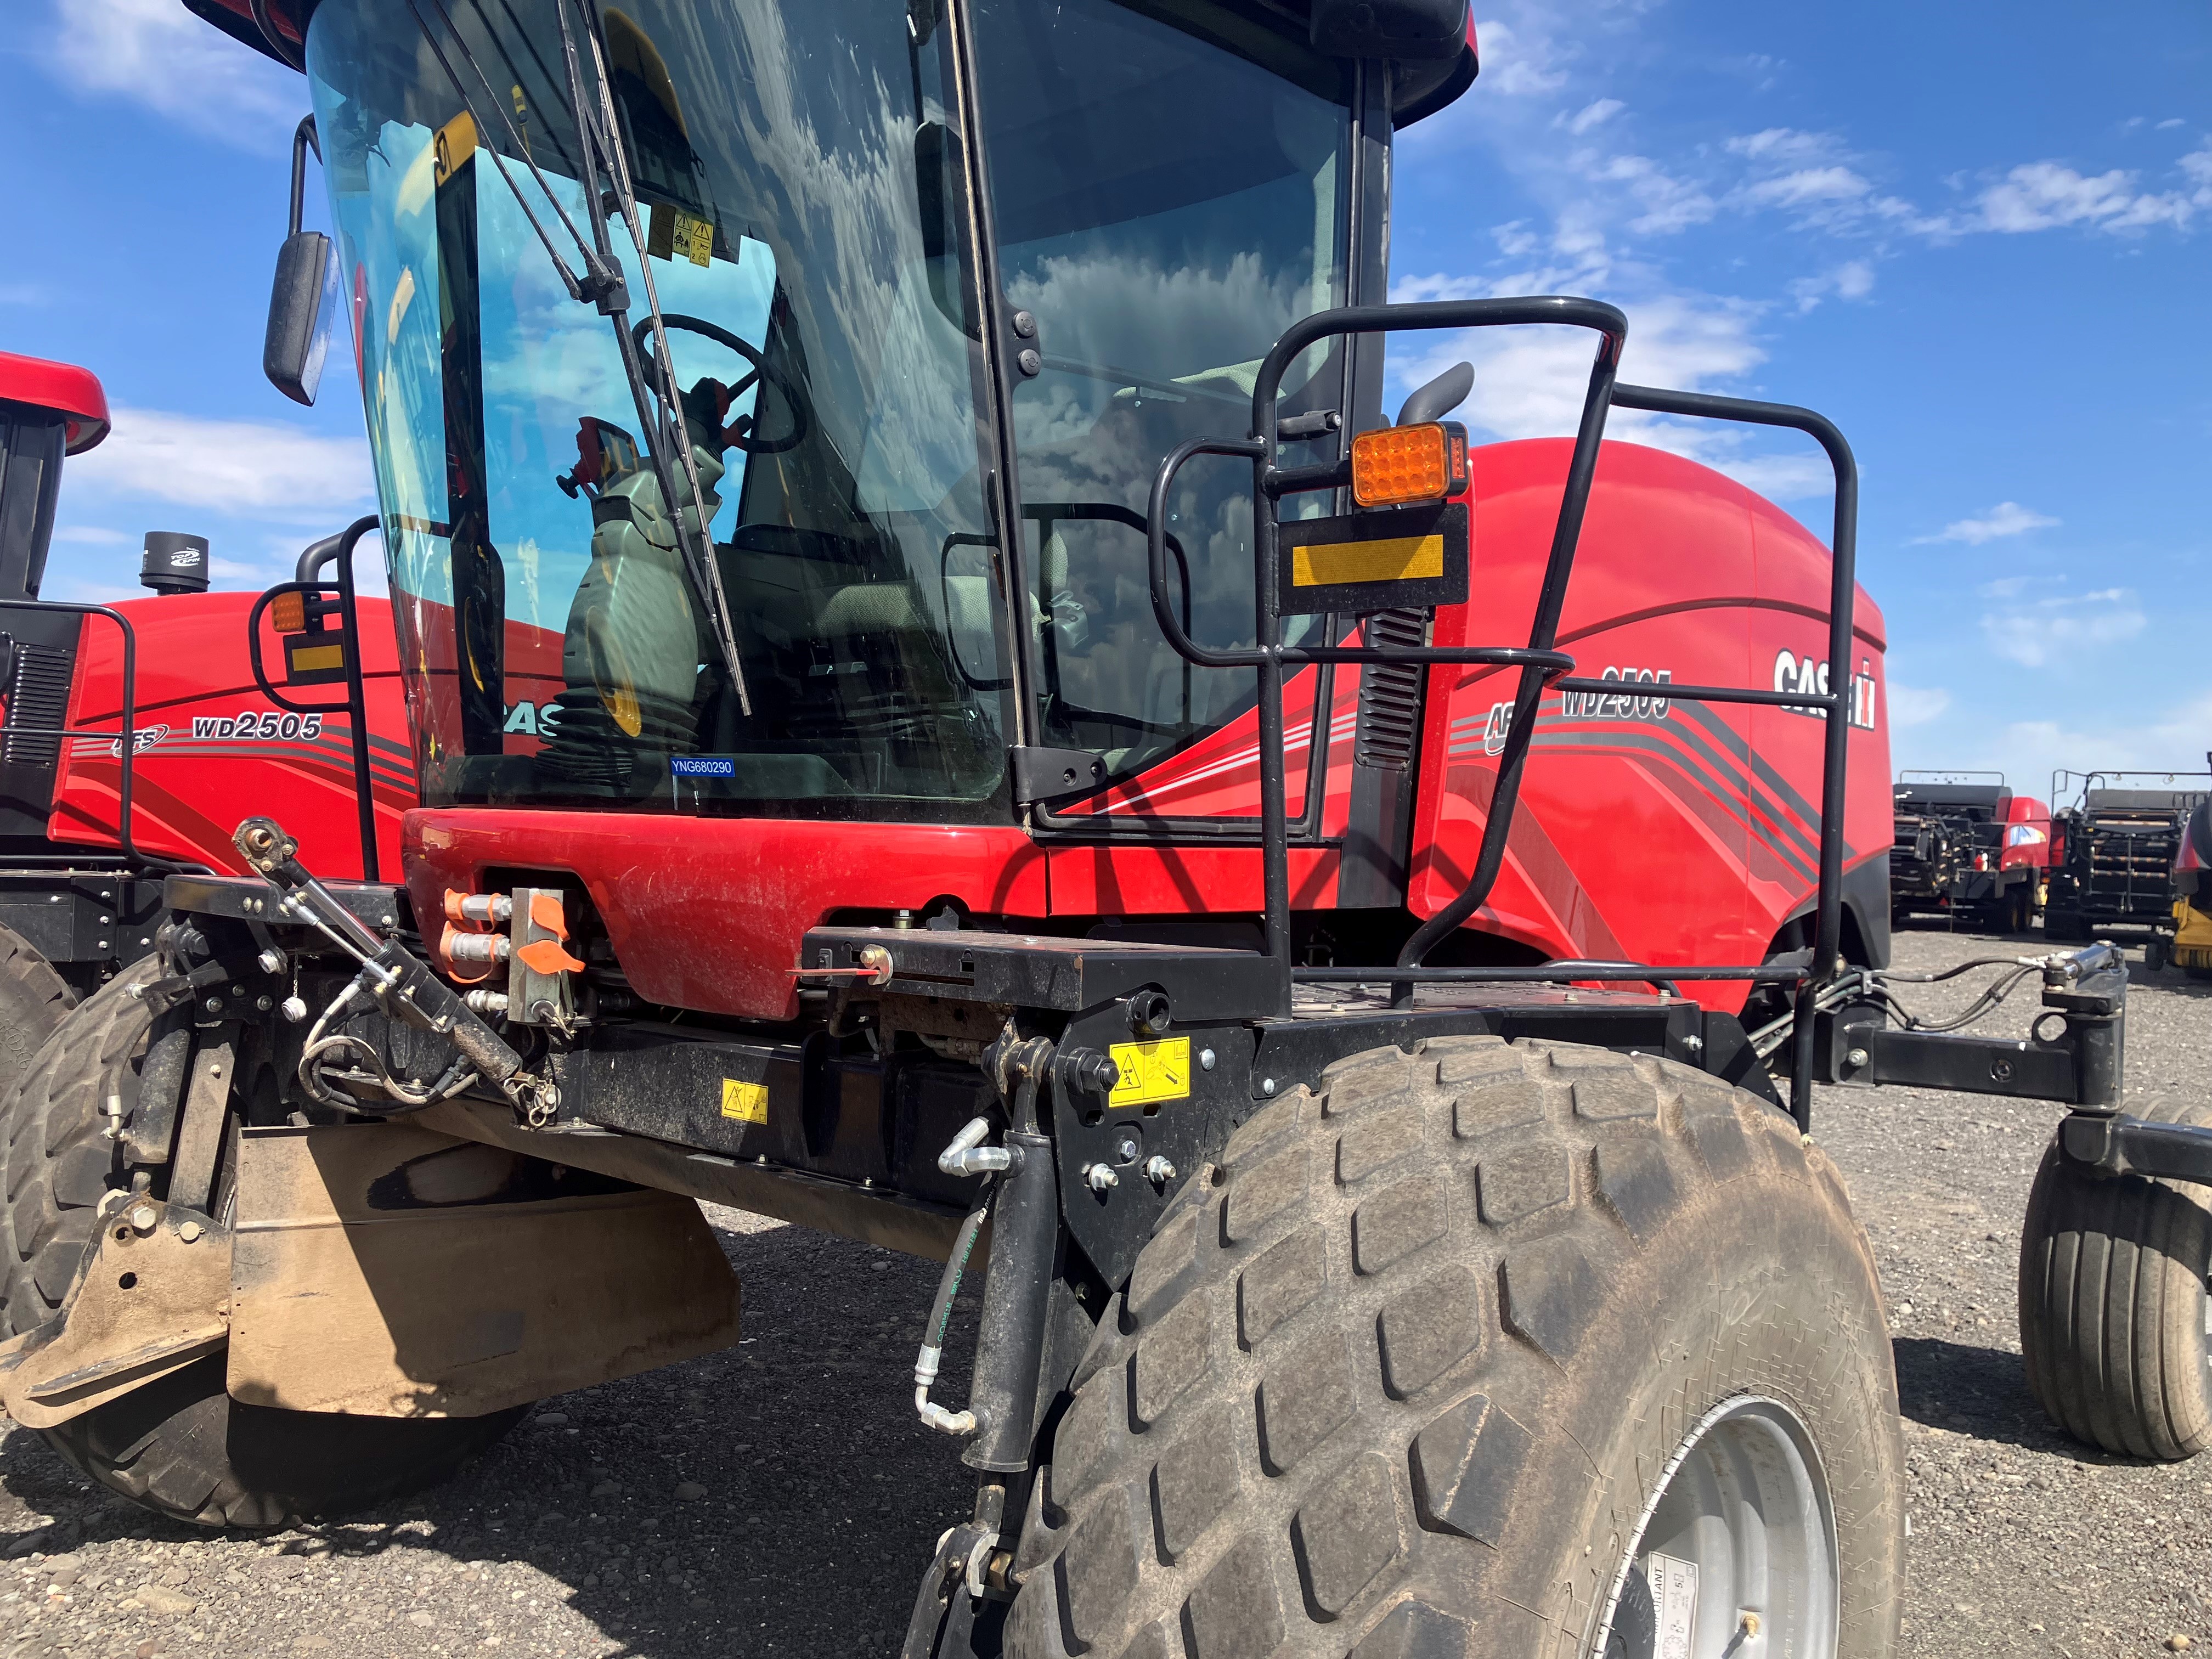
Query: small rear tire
(2112,1304)
(2157,957)
(33,1000)
(1420,1367)
(180,1445)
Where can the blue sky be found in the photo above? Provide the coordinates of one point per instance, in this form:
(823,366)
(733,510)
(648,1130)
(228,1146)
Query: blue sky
(1979,236)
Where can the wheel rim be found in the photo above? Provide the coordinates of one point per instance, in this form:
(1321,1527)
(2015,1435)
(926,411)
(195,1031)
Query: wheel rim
(1740,1535)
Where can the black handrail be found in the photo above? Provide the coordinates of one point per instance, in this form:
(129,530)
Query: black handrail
(1538,662)
(338,549)
(126,741)
(1541,663)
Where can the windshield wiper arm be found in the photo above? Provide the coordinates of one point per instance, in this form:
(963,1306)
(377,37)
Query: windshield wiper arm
(659,412)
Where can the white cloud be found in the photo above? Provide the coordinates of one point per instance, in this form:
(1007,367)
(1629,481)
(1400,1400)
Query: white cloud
(156,53)
(2170,123)
(1590,115)
(1916,705)
(1666,204)
(2029,752)
(2005,519)
(1852,280)
(249,469)
(1782,146)
(1529,382)
(2045,195)
(1516,64)
(1806,185)
(2069,626)
(90,535)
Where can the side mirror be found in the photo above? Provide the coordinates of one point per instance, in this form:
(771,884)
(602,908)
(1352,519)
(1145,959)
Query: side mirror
(303,308)
(303,305)
(1408,30)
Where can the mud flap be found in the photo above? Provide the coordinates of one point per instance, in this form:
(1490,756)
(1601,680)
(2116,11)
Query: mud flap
(150,1297)
(390,1271)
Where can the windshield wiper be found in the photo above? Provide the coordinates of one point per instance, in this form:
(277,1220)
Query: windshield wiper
(601,285)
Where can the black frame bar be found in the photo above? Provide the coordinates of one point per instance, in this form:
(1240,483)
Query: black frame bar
(1542,665)
(126,739)
(338,549)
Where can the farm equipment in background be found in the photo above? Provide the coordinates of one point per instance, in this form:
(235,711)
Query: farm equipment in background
(2119,846)
(89,833)
(946,704)
(2190,948)
(1968,848)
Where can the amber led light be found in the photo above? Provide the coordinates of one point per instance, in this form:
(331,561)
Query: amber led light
(288,613)
(1400,463)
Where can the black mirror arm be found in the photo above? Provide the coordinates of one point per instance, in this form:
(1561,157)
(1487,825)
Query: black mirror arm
(1439,397)
(304,138)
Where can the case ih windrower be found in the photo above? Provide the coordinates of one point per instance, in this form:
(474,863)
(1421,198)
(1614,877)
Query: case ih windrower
(1047,796)
(88,834)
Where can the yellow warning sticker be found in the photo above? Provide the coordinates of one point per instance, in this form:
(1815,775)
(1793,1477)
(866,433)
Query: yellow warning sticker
(744,1103)
(673,233)
(1406,558)
(1151,1071)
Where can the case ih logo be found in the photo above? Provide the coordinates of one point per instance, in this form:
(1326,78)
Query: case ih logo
(1626,704)
(1810,678)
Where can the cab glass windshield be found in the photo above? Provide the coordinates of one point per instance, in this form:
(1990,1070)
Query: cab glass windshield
(792,165)
(1170,190)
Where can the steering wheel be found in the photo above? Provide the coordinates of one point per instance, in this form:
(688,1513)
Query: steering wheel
(740,431)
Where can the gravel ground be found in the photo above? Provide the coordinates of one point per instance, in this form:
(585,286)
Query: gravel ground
(780,1498)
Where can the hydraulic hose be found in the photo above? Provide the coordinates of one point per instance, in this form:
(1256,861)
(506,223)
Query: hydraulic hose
(940,1315)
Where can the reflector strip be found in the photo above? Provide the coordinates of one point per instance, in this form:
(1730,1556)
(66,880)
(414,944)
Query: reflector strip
(1405,558)
(307,658)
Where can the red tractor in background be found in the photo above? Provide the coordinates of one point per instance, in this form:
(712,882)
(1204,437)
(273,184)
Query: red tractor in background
(87,836)
(1969,848)
(947,710)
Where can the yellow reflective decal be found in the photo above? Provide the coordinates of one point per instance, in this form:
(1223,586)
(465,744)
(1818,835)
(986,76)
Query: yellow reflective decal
(1404,559)
(744,1103)
(309,658)
(1151,1071)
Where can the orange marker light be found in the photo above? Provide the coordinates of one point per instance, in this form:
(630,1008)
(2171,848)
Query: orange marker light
(1398,464)
(288,612)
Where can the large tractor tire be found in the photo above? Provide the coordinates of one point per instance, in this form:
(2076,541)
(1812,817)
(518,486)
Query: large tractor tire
(1461,1355)
(33,999)
(2113,1305)
(180,1446)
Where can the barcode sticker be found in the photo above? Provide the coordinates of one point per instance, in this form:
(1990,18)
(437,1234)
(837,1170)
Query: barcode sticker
(1674,1604)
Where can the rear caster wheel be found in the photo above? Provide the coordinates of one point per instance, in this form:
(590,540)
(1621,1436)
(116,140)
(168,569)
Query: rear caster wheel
(179,1446)
(1488,1349)
(2112,1304)
(2157,957)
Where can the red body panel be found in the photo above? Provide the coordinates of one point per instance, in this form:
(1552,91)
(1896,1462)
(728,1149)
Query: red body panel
(708,913)
(2028,842)
(1652,829)
(1663,831)
(65,389)
(198,769)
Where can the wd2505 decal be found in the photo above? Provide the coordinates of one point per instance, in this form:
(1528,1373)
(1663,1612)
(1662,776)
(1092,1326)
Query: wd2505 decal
(1631,702)
(1807,677)
(258,726)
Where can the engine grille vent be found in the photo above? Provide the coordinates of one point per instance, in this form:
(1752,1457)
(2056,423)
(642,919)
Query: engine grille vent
(38,695)
(1390,694)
